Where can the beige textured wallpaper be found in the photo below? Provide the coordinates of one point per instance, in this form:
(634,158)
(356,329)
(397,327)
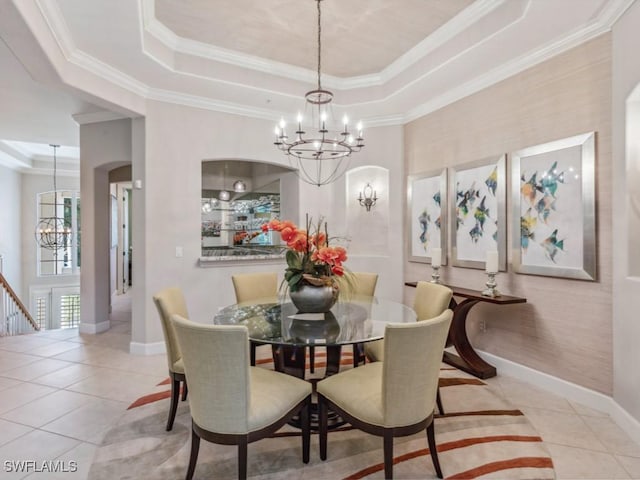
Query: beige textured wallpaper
(565,328)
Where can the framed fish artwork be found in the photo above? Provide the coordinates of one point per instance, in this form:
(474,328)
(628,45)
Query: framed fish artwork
(553,191)
(477,194)
(427,197)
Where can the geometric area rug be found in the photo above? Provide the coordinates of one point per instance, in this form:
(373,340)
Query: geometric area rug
(480,436)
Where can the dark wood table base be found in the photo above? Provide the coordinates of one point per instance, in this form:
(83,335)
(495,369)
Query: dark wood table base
(468,359)
(290,359)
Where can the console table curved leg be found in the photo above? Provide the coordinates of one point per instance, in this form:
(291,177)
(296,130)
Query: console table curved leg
(468,360)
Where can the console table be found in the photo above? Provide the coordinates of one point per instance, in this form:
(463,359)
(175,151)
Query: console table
(468,359)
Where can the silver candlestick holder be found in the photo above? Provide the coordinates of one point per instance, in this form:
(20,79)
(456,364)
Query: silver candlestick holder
(491,290)
(435,274)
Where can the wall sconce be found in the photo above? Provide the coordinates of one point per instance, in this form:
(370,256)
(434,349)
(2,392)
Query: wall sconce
(367,197)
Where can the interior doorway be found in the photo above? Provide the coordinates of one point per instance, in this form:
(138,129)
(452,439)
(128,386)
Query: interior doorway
(122,248)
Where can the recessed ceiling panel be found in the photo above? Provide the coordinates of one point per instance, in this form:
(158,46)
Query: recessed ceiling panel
(359,37)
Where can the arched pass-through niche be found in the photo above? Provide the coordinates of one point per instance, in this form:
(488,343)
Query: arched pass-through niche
(368,231)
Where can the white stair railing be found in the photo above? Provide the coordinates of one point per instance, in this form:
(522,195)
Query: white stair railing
(15,319)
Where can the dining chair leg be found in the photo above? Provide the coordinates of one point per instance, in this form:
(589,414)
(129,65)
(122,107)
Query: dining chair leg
(439,402)
(388,453)
(193,458)
(305,420)
(175,393)
(433,449)
(242,459)
(358,354)
(323,413)
(185,390)
(312,359)
(252,353)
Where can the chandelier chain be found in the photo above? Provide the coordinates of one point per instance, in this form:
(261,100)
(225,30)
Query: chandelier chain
(319,44)
(55,189)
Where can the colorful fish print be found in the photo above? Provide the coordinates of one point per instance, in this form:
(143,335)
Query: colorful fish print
(552,245)
(481,213)
(475,233)
(492,181)
(550,180)
(459,219)
(495,233)
(544,207)
(527,228)
(528,189)
(424,220)
(437,198)
(468,199)
(438,222)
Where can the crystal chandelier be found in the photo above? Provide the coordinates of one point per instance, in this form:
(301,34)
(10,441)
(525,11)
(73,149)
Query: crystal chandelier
(54,232)
(322,156)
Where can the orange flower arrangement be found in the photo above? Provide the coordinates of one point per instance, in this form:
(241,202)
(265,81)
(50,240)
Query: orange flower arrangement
(310,259)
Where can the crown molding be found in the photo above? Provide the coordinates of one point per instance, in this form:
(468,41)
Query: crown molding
(458,24)
(95,117)
(58,26)
(213,104)
(13,159)
(52,15)
(601,24)
(71,173)
(151,25)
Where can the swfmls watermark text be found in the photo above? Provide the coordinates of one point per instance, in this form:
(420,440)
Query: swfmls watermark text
(40,466)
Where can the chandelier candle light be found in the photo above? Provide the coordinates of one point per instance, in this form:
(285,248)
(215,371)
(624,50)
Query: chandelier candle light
(436,263)
(492,271)
(320,156)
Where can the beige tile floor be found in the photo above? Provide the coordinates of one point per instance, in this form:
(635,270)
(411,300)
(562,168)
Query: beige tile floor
(60,391)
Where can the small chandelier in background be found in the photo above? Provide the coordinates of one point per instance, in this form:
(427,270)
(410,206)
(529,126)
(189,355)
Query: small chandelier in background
(54,232)
(367,197)
(239,186)
(224,195)
(322,157)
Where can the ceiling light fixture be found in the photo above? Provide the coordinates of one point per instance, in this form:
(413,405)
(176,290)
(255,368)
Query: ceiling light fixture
(239,186)
(323,157)
(224,195)
(53,232)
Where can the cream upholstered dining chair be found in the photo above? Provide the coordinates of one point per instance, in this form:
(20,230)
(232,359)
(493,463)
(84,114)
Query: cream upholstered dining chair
(231,402)
(364,284)
(170,301)
(430,301)
(250,287)
(394,398)
(253,286)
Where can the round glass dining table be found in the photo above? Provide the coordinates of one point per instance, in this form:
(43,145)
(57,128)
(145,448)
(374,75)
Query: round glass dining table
(274,321)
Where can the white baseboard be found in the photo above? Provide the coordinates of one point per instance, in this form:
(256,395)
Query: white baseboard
(93,328)
(156,348)
(568,390)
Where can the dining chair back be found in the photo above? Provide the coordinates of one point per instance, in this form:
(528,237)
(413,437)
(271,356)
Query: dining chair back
(364,284)
(430,301)
(168,302)
(232,403)
(393,398)
(253,286)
